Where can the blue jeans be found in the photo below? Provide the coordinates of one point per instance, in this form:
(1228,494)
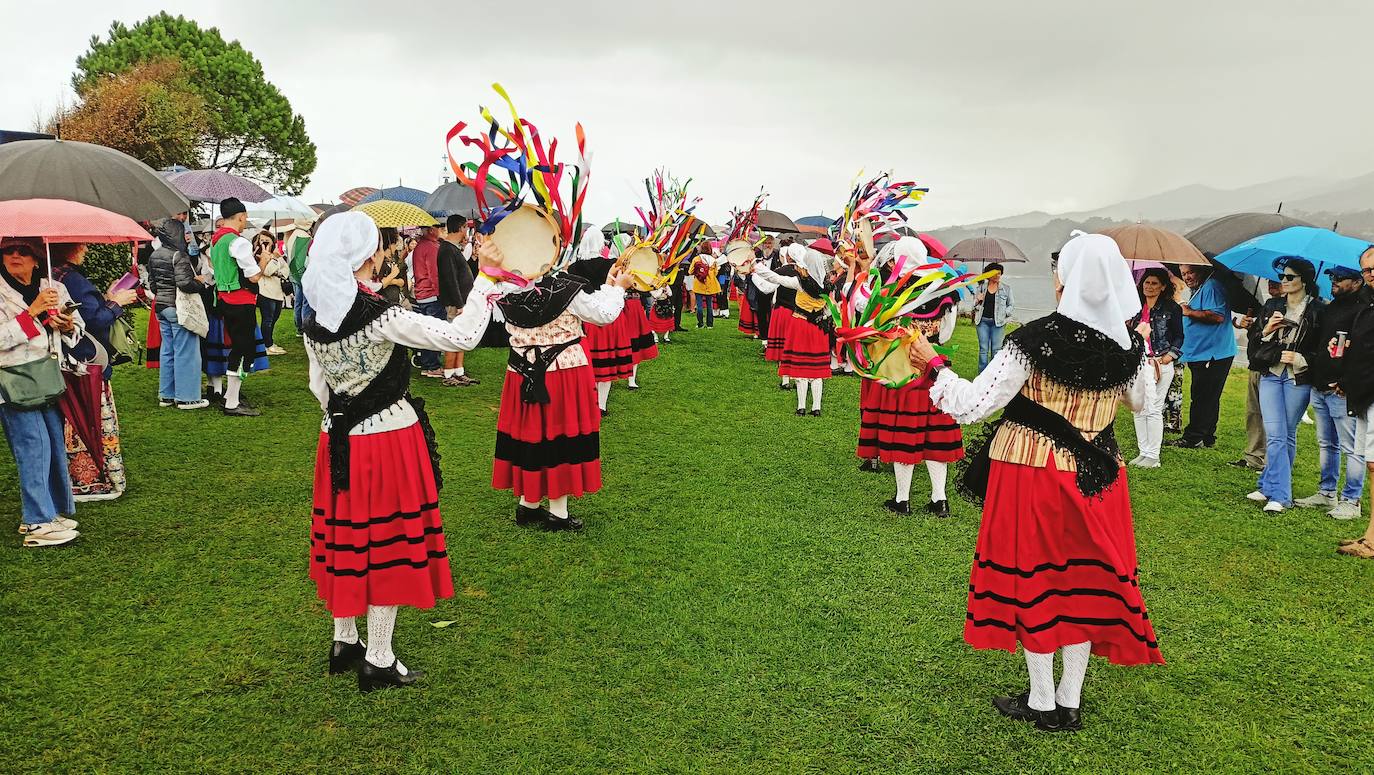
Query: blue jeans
(989,340)
(1282,403)
(302,308)
(270,310)
(1336,437)
(40,454)
(705,314)
(178,376)
(429,359)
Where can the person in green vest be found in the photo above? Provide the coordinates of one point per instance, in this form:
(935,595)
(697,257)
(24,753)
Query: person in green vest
(297,249)
(237,272)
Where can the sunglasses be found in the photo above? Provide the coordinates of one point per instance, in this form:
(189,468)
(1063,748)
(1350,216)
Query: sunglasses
(1287,276)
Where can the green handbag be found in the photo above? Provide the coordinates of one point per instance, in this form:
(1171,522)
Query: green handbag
(32,385)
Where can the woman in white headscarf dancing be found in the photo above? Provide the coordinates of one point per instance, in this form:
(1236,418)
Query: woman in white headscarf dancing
(377,541)
(806,345)
(1055,564)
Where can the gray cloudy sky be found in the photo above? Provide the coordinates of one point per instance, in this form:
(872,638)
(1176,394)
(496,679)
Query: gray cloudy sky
(1000,106)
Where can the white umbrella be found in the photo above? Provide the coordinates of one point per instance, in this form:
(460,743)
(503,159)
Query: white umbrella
(279,207)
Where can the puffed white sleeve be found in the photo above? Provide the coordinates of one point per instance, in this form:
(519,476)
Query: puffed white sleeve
(318,385)
(775,279)
(1137,393)
(600,308)
(421,332)
(969,402)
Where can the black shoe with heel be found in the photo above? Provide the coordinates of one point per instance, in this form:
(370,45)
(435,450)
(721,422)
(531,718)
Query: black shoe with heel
(526,516)
(1019,709)
(346,657)
(938,508)
(1065,720)
(898,507)
(371,677)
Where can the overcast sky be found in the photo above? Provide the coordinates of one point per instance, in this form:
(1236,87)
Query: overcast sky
(1000,106)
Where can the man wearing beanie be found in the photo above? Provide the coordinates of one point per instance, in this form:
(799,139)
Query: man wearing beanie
(236,275)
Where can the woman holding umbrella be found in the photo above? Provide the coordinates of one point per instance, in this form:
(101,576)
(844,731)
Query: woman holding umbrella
(992,310)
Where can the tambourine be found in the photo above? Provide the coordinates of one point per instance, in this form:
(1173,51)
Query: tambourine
(530,242)
(641,261)
(738,252)
(895,356)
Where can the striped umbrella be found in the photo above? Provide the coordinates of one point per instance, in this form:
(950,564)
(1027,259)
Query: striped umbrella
(354,195)
(395,215)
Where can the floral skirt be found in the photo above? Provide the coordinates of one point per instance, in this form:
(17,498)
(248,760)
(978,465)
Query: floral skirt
(94,479)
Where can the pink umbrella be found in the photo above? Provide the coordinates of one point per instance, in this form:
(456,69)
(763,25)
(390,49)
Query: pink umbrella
(59,220)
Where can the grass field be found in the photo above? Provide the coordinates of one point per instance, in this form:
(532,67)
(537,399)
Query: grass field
(740,601)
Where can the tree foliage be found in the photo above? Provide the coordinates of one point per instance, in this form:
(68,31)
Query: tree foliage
(251,131)
(149,112)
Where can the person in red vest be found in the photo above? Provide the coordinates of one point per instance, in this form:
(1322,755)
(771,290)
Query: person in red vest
(236,275)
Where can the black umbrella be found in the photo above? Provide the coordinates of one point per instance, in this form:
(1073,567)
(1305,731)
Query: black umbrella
(772,220)
(336,209)
(86,173)
(989,250)
(1228,231)
(458,199)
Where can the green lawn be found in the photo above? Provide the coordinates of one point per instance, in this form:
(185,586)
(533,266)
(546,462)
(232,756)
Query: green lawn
(740,601)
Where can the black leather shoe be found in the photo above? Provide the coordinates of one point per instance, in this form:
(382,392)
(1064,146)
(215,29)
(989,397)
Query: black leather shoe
(815,413)
(604,412)
(898,507)
(371,677)
(1019,708)
(346,657)
(1065,720)
(552,523)
(801,412)
(242,411)
(528,517)
(871,465)
(784,387)
(1184,444)
(632,387)
(938,508)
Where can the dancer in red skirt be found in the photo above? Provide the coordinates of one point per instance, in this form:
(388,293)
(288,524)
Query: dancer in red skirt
(741,291)
(607,346)
(377,541)
(806,350)
(1055,564)
(784,306)
(661,313)
(548,442)
(900,425)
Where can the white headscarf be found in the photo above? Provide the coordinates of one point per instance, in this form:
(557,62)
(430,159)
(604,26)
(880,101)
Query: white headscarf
(911,247)
(794,253)
(816,264)
(620,243)
(592,243)
(1098,291)
(341,245)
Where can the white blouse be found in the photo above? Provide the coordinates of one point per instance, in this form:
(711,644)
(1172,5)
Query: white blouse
(970,402)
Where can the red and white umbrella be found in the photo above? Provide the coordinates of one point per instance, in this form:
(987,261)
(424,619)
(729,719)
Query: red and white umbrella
(60,220)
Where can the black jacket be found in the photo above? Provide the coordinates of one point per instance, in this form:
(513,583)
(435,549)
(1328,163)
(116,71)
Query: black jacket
(1357,381)
(1306,344)
(169,268)
(455,277)
(1339,315)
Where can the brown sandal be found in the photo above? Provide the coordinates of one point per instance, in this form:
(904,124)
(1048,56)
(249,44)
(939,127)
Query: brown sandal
(1361,549)
(1350,541)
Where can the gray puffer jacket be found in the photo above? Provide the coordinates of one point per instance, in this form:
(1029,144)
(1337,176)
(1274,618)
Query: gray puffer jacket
(169,268)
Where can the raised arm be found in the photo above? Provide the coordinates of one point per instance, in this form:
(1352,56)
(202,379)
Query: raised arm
(969,402)
(761,271)
(600,307)
(464,332)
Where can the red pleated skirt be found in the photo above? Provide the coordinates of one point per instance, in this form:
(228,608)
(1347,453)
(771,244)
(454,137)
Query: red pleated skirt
(660,325)
(554,449)
(778,323)
(1053,568)
(903,426)
(608,348)
(806,351)
(747,324)
(642,344)
(380,542)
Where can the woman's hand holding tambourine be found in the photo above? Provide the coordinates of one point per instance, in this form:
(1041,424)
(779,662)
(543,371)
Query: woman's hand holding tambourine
(620,278)
(489,255)
(921,353)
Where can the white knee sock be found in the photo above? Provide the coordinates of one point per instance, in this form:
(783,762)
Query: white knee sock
(1070,689)
(668,336)
(529,504)
(802,384)
(1041,669)
(939,473)
(816,386)
(603,394)
(903,472)
(381,623)
(346,629)
(834,362)
(655,337)
(786,381)
(634,375)
(559,507)
(217,384)
(231,393)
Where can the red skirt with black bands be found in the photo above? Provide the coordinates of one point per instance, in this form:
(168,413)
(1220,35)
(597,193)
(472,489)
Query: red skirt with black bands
(806,352)
(380,542)
(660,325)
(747,324)
(1053,568)
(608,348)
(554,449)
(903,426)
(778,323)
(642,344)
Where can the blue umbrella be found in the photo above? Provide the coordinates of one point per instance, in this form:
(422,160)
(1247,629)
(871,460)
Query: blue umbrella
(815,220)
(1323,247)
(411,196)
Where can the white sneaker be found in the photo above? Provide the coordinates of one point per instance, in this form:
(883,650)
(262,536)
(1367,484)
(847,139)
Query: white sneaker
(62,522)
(275,350)
(1273,507)
(1258,497)
(1320,500)
(1146,462)
(48,534)
(197,404)
(1345,510)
